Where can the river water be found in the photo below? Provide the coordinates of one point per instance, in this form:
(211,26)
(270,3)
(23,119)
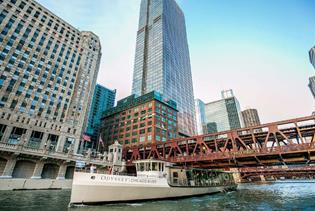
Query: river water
(298,195)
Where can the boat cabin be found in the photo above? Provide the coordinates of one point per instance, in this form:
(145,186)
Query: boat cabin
(183,177)
(151,167)
(192,177)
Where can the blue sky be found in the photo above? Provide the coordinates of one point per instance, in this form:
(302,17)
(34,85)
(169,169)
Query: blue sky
(258,48)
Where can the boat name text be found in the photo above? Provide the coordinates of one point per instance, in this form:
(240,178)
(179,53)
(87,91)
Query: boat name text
(129,180)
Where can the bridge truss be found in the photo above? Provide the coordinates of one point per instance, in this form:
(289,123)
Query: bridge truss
(278,143)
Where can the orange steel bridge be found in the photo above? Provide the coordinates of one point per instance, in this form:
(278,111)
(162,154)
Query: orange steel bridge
(304,171)
(278,143)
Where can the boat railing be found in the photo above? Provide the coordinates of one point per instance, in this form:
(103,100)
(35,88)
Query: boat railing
(101,171)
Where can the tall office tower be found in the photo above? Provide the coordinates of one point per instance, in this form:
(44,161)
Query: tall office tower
(162,60)
(311,85)
(250,118)
(224,114)
(201,117)
(103,99)
(48,71)
(312,56)
(227,93)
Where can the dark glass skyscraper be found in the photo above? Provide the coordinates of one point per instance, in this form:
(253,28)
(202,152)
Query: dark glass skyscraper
(311,85)
(201,117)
(312,56)
(162,60)
(103,99)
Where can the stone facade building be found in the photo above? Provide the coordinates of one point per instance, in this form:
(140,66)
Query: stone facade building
(48,71)
(250,117)
(140,120)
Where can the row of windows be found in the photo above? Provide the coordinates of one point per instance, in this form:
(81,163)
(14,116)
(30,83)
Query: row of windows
(50,20)
(40,69)
(141,139)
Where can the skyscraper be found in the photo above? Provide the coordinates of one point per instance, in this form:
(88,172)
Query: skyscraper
(162,60)
(250,117)
(200,117)
(224,114)
(312,56)
(311,85)
(48,69)
(103,99)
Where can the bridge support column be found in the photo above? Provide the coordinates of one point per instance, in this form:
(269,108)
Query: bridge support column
(62,171)
(8,169)
(37,174)
(236,175)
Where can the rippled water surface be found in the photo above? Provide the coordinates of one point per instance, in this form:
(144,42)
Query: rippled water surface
(274,196)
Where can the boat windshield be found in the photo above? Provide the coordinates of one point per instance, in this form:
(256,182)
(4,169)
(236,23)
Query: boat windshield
(150,166)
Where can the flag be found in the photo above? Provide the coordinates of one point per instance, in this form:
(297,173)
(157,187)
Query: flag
(101,141)
(86,138)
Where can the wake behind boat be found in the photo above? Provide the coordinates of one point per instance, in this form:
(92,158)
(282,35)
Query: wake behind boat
(154,180)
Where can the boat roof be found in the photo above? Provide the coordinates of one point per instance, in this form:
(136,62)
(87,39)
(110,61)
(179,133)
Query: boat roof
(149,160)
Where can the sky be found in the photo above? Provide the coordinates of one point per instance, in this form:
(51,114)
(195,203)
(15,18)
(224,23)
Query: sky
(258,48)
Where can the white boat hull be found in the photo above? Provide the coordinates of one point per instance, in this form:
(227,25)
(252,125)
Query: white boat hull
(112,189)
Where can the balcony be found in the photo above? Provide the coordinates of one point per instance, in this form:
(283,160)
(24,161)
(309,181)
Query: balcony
(49,152)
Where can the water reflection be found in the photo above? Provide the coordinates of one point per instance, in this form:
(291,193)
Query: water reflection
(274,196)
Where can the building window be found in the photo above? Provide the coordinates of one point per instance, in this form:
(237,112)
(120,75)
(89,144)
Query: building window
(22,5)
(149,138)
(134,140)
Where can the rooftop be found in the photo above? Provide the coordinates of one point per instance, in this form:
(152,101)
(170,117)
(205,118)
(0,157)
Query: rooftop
(133,101)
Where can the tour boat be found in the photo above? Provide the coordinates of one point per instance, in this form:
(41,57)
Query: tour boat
(154,180)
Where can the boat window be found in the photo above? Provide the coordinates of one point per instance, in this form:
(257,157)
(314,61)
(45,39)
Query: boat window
(161,165)
(175,177)
(147,166)
(154,166)
(141,165)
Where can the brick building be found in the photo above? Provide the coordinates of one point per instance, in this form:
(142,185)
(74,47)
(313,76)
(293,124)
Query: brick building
(137,120)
